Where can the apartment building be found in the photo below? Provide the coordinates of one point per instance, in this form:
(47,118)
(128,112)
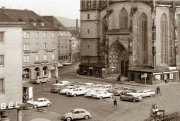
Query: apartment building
(39,44)
(10,64)
(67,43)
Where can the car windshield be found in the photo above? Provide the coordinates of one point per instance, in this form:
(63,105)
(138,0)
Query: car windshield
(140,91)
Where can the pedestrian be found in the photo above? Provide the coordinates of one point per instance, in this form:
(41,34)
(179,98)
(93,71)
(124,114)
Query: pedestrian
(115,102)
(56,81)
(158,90)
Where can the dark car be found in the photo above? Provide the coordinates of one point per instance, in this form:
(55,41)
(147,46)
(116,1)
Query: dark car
(131,97)
(128,90)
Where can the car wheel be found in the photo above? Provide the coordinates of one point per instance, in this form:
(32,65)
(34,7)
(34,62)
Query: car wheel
(48,104)
(74,95)
(86,117)
(100,97)
(35,106)
(68,119)
(134,100)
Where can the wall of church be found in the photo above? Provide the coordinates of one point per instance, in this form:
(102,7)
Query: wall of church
(141,8)
(89,47)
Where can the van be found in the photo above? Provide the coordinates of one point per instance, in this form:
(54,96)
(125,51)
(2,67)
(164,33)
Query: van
(39,80)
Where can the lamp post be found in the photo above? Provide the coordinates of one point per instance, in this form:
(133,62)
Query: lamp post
(42,76)
(112,68)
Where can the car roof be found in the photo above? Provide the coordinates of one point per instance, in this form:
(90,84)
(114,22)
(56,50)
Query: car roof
(79,109)
(41,99)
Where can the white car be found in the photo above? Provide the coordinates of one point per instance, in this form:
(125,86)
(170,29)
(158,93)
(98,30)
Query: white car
(76,114)
(77,91)
(60,65)
(89,85)
(146,93)
(108,87)
(64,83)
(90,93)
(66,63)
(103,94)
(68,88)
(39,102)
(98,86)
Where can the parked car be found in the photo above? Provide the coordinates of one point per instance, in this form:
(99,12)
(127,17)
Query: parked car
(76,114)
(66,63)
(39,102)
(57,87)
(64,83)
(89,85)
(60,65)
(40,79)
(130,97)
(65,90)
(102,94)
(108,87)
(77,91)
(146,93)
(127,90)
(98,86)
(90,93)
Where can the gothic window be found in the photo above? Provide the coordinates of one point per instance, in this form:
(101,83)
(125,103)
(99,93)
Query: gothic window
(88,4)
(144,39)
(94,4)
(164,39)
(123,18)
(82,4)
(178,30)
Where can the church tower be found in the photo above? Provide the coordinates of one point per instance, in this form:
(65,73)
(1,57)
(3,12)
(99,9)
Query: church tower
(90,38)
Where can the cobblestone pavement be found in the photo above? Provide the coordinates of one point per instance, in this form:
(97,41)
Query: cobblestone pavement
(103,110)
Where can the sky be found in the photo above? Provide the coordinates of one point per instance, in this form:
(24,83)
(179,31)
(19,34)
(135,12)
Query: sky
(63,8)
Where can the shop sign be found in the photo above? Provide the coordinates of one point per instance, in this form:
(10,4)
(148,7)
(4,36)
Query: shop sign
(31,52)
(90,67)
(49,51)
(9,105)
(103,69)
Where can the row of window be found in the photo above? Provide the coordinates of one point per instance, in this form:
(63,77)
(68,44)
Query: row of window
(26,46)
(63,57)
(2,87)
(27,35)
(26,58)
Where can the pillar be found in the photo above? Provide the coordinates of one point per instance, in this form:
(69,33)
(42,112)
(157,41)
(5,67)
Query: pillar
(19,115)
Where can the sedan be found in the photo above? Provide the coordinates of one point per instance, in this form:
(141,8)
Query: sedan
(40,102)
(146,93)
(67,63)
(76,114)
(103,94)
(131,97)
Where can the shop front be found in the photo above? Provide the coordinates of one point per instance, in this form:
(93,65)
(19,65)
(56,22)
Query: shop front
(94,70)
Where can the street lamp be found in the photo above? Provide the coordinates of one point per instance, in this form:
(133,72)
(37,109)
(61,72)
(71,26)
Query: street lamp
(42,76)
(112,68)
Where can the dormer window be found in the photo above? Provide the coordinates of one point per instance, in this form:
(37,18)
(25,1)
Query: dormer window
(20,19)
(41,22)
(32,22)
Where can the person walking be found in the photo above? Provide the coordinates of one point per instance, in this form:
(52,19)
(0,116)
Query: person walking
(115,102)
(158,90)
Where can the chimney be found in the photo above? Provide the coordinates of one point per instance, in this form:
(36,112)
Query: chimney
(76,24)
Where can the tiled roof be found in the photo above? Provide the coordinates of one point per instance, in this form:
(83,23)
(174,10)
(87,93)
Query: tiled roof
(56,23)
(5,18)
(28,17)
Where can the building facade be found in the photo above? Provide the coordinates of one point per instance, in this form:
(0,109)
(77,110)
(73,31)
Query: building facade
(10,64)
(40,38)
(136,39)
(68,42)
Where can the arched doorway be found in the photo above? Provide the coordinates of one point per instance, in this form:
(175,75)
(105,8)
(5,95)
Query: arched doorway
(37,72)
(118,58)
(26,74)
(45,71)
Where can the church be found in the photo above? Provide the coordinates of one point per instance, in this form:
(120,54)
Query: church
(137,39)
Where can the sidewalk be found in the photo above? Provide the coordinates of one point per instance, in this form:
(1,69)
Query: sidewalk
(113,80)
